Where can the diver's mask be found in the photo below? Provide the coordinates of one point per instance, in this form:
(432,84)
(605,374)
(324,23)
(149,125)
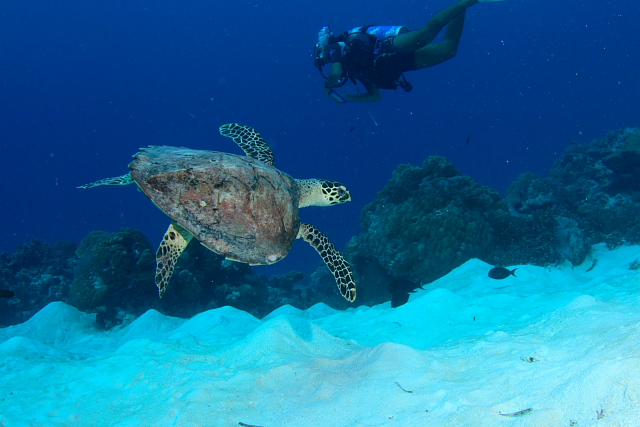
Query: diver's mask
(321,49)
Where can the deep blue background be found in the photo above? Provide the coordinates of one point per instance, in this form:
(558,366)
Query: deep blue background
(84,84)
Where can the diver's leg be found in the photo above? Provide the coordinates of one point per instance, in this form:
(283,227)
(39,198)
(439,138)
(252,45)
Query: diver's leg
(434,54)
(414,40)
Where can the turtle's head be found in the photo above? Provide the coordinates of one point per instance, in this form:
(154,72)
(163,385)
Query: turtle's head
(322,192)
(334,192)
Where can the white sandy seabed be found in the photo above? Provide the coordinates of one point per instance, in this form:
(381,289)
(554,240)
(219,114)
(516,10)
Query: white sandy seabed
(552,347)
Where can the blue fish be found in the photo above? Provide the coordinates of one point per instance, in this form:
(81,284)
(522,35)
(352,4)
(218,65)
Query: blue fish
(501,273)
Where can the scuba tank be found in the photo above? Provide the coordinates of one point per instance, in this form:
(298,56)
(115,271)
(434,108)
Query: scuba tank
(382,31)
(367,40)
(383,51)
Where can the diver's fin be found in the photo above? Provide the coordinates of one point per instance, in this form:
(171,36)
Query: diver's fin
(173,243)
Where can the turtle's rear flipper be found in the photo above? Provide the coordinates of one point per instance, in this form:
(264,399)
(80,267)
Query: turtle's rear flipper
(118,180)
(335,261)
(173,243)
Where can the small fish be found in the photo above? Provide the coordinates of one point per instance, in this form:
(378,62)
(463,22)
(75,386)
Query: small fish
(519,413)
(469,139)
(6,294)
(402,388)
(50,124)
(351,128)
(501,273)
(400,290)
(399,299)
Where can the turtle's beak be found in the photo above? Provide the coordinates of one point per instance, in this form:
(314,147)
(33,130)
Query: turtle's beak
(343,194)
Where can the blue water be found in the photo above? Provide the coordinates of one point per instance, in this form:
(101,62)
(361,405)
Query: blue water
(84,84)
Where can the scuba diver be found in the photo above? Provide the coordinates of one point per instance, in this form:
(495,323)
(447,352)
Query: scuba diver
(378,56)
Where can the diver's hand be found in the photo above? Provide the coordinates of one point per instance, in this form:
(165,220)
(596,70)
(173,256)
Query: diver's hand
(326,92)
(373,95)
(335,95)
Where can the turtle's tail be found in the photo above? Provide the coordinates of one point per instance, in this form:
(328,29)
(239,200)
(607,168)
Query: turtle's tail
(118,180)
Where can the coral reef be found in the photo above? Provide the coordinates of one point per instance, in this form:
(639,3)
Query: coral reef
(115,277)
(112,275)
(38,274)
(593,191)
(429,220)
(114,270)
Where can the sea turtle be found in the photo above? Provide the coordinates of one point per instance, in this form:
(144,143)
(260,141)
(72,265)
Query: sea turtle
(240,207)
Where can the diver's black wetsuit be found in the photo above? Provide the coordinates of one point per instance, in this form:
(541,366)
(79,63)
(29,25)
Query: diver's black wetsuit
(374,62)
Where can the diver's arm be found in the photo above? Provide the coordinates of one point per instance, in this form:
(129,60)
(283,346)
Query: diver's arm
(372,95)
(334,75)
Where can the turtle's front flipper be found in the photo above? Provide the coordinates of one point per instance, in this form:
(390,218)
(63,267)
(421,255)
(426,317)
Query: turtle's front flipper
(249,140)
(335,261)
(118,180)
(173,243)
